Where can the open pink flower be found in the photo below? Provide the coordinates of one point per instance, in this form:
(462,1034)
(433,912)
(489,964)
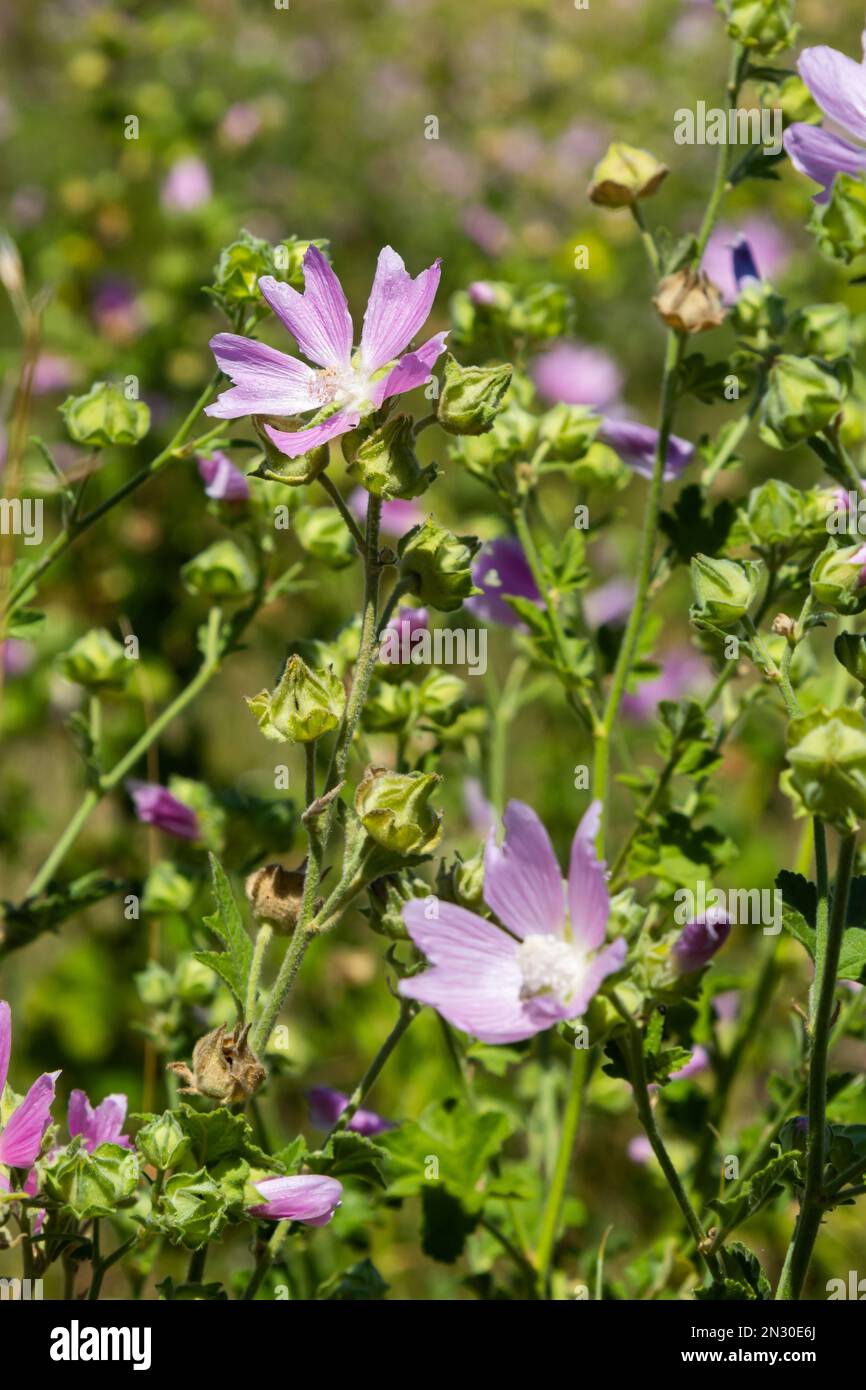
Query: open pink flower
(100,1124)
(21,1136)
(838,84)
(308,1197)
(155,805)
(346,384)
(502,986)
(327,1105)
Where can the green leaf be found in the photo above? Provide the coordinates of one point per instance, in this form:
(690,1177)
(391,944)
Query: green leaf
(733,1211)
(445,1225)
(227,925)
(450,1145)
(216,1135)
(362,1283)
(744,1278)
(693,528)
(349,1154)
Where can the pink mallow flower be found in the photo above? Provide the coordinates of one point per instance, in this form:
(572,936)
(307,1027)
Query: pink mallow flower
(398,516)
(309,1198)
(636,445)
(501,570)
(327,1105)
(699,941)
(577,375)
(21,1136)
(223,481)
(502,986)
(101,1124)
(349,385)
(155,805)
(186,186)
(838,84)
(758,250)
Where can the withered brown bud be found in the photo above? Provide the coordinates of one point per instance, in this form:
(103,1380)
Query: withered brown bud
(783,626)
(224,1067)
(275,894)
(689,302)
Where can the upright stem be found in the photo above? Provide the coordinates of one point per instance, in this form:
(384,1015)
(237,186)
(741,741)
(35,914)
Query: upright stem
(828,948)
(260,950)
(408,1011)
(559,1179)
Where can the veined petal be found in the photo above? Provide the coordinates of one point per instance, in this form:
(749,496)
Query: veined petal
(319,319)
(588,898)
(5,1042)
(487,1006)
(821,155)
(308,1197)
(522,881)
(296,442)
(266,382)
(396,309)
(606,963)
(21,1140)
(838,84)
(412,370)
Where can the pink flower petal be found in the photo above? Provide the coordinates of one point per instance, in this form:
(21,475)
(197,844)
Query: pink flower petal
(838,84)
(522,881)
(5,1042)
(396,309)
(412,370)
(266,382)
(296,442)
(821,155)
(588,899)
(319,318)
(607,962)
(21,1140)
(311,1198)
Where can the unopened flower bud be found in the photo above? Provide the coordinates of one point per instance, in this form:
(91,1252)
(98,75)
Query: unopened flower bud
(97,661)
(304,705)
(838,579)
(437,565)
(295,472)
(698,942)
(472,397)
(624,175)
(236,274)
(275,895)
(827,757)
(322,533)
(724,590)
(224,570)
(840,223)
(162,1141)
(824,330)
(803,395)
(386,464)
(569,430)
(689,302)
(104,416)
(766,25)
(394,809)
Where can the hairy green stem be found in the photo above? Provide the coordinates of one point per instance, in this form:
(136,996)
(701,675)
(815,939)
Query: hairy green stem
(408,1011)
(559,1179)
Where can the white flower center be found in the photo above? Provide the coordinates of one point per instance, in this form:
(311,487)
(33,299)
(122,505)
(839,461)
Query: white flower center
(342,386)
(549,965)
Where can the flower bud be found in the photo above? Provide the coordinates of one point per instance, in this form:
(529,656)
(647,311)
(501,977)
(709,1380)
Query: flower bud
(689,302)
(389,706)
(767,25)
(223,570)
(824,330)
(275,895)
(512,437)
(192,1209)
(803,395)
(322,533)
(794,1134)
(850,651)
(541,312)
(840,223)
(838,579)
(441,696)
(698,942)
(304,705)
(305,468)
(97,661)
(724,590)
(289,257)
(436,565)
(162,1141)
(471,397)
(237,272)
(624,175)
(224,1067)
(827,757)
(759,312)
(569,430)
(386,463)
(774,517)
(393,808)
(462,882)
(104,416)
(194,982)
(167,889)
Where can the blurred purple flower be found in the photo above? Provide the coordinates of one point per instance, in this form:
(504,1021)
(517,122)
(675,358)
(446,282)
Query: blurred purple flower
(636,445)
(501,988)
(116,310)
(100,1125)
(727,1005)
(610,604)
(398,516)
(224,482)
(53,373)
(576,374)
(155,805)
(683,673)
(482,294)
(767,244)
(309,1198)
(838,85)
(488,231)
(186,186)
(268,382)
(16,657)
(501,568)
(240,124)
(21,1136)
(699,941)
(407,621)
(640,1150)
(480,811)
(326,1107)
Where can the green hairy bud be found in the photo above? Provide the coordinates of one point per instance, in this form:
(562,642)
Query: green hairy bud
(162,1142)
(837,579)
(305,468)
(322,533)
(569,430)
(96,1184)
(803,396)
(97,661)
(224,570)
(192,1209)
(767,25)
(305,704)
(394,809)
(827,757)
(724,590)
(437,565)
(840,223)
(386,464)
(238,270)
(104,416)
(472,397)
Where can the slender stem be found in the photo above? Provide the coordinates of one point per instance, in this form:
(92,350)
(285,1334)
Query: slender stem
(828,948)
(195,1273)
(408,1011)
(649,245)
(559,1179)
(265,1256)
(260,950)
(735,75)
(337,498)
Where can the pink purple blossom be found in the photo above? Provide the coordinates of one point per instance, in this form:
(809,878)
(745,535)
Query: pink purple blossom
(838,85)
(756,247)
(100,1124)
(155,805)
(16,657)
(577,375)
(21,1136)
(699,941)
(398,516)
(636,445)
(268,382)
(308,1197)
(327,1105)
(500,568)
(682,673)
(223,481)
(480,812)
(186,186)
(502,986)
(610,604)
